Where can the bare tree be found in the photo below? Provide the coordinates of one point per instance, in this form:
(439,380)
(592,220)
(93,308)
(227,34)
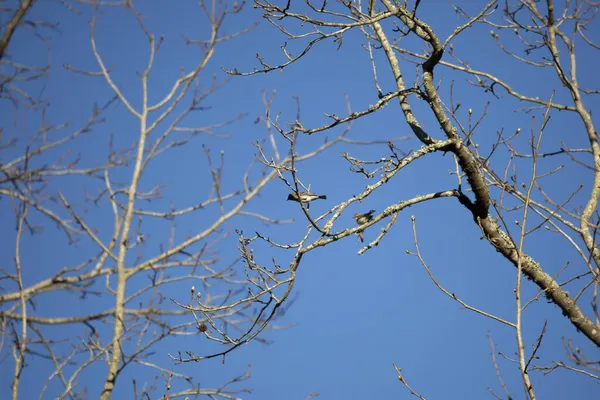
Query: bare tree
(487,184)
(130,266)
(138,266)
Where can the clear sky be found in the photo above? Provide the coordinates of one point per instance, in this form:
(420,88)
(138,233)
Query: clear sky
(353,315)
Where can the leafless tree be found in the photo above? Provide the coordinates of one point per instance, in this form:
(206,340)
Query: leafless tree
(233,311)
(132,272)
(487,184)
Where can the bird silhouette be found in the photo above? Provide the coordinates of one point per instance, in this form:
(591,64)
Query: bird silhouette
(362,219)
(305,197)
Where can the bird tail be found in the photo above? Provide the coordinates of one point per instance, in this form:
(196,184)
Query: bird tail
(323,197)
(360,236)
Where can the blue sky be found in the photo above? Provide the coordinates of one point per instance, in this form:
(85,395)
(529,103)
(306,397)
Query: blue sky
(353,315)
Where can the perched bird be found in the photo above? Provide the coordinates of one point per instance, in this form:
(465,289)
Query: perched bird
(362,219)
(305,197)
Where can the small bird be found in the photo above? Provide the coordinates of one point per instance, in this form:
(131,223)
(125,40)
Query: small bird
(362,219)
(305,197)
